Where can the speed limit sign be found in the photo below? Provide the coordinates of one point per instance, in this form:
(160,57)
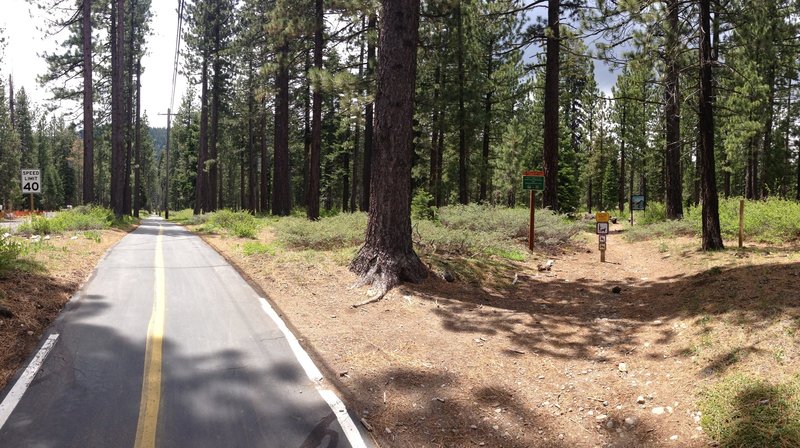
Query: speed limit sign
(31,182)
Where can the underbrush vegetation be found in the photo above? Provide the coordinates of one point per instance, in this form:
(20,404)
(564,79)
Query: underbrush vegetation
(460,230)
(241,224)
(336,232)
(81,218)
(772,221)
(10,251)
(740,411)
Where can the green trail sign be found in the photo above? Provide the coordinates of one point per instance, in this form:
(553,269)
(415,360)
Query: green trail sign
(533,180)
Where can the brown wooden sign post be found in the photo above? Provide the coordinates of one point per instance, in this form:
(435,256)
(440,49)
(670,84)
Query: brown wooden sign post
(602,219)
(532,181)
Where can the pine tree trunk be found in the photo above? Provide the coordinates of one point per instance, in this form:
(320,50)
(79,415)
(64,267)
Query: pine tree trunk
(118,109)
(216,101)
(366,176)
(387,256)
(672,110)
(252,172)
(437,194)
(712,238)
(138,142)
(767,175)
(201,182)
(551,89)
(312,212)
(621,178)
(88,106)
(487,127)
(281,198)
(432,184)
(463,194)
(262,132)
(129,118)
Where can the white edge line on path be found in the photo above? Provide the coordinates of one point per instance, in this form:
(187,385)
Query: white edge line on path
(336,405)
(15,395)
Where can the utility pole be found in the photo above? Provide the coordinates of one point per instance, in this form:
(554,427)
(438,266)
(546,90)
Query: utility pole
(169,115)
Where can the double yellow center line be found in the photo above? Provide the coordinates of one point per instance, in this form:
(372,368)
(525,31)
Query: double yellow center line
(151,384)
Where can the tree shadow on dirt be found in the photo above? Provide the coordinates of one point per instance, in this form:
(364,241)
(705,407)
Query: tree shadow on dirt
(571,319)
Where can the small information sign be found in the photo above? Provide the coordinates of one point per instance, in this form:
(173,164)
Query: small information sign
(603,238)
(638,202)
(533,180)
(602,228)
(602,246)
(602,217)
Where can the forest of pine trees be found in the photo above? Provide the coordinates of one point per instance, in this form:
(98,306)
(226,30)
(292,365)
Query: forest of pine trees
(281,113)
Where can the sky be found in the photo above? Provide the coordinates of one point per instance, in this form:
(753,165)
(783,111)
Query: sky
(26,43)
(22,58)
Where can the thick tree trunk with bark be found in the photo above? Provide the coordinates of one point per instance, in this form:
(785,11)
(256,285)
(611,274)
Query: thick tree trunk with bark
(487,126)
(129,119)
(252,169)
(463,194)
(672,111)
(281,198)
(262,132)
(118,109)
(201,181)
(88,105)
(712,237)
(216,101)
(621,179)
(387,256)
(312,211)
(551,81)
(138,142)
(432,181)
(366,176)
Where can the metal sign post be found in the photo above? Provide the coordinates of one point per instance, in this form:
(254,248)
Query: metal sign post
(602,219)
(31,184)
(532,181)
(638,203)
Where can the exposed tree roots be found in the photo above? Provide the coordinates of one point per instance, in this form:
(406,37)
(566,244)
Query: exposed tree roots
(384,271)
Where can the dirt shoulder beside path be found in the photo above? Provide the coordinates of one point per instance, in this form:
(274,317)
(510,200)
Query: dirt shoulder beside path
(552,359)
(33,295)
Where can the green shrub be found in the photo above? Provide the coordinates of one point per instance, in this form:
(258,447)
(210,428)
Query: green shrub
(655,212)
(10,250)
(422,206)
(240,223)
(741,411)
(78,219)
(258,248)
(772,221)
(336,232)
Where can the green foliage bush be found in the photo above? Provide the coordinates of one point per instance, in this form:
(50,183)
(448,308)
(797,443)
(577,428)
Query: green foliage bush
(10,250)
(422,206)
(740,411)
(772,221)
(78,219)
(241,223)
(462,229)
(258,248)
(335,232)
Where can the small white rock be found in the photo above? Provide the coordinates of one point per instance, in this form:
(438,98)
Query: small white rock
(631,421)
(674,438)
(640,399)
(657,410)
(601,418)
(623,367)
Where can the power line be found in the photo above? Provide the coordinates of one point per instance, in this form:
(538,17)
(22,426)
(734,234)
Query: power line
(178,36)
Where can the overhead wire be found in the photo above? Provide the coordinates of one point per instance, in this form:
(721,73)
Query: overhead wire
(178,36)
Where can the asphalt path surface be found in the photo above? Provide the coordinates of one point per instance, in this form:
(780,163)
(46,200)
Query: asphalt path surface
(168,346)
